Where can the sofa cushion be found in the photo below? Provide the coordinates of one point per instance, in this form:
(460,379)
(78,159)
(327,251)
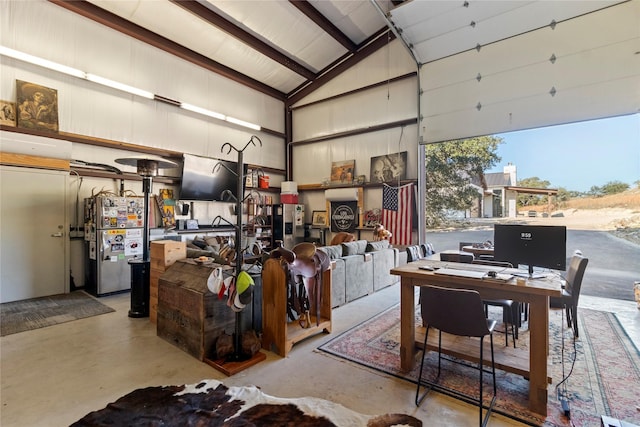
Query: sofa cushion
(358,247)
(338,285)
(377,246)
(334,251)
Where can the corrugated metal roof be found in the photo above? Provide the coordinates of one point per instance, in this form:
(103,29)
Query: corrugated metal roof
(498,179)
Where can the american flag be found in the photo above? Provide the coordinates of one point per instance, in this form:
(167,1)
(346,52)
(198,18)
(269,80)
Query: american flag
(397,212)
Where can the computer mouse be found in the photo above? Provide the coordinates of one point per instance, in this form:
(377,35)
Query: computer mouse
(492,273)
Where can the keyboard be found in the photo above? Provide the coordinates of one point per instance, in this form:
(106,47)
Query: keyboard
(461,273)
(473,274)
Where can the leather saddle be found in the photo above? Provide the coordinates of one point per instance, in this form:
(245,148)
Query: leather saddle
(305,261)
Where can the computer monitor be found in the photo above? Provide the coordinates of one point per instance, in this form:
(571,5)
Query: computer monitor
(532,245)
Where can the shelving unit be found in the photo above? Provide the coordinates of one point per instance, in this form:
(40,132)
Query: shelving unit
(259,223)
(361,189)
(278,334)
(320,187)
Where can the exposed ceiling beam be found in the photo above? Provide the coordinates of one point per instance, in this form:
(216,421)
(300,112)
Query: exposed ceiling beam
(245,37)
(95,13)
(322,22)
(379,40)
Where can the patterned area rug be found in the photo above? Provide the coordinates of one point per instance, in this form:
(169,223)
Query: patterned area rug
(606,384)
(26,315)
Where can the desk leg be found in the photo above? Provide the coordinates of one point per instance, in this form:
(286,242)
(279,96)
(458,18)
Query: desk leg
(538,353)
(407,325)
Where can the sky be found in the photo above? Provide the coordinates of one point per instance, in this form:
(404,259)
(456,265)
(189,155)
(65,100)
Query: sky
(576,156)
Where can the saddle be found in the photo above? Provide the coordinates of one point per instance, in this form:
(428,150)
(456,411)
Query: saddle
(305,261)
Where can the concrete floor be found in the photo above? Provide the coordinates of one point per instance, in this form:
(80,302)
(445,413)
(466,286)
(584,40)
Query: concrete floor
(54,376)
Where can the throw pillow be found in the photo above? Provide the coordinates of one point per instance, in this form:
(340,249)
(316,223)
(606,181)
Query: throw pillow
(334,251)
(354,248)
(377,246)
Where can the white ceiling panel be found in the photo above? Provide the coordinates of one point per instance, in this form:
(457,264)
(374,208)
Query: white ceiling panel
(357,19)
(311,45)
(164,18)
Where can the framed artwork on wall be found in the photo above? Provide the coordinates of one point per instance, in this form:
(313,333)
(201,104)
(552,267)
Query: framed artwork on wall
(390,167)
(37,107)
(343,172)
(319,218)
(7,113)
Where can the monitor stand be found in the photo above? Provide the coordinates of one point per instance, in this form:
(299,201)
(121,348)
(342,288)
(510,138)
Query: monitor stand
(531,274)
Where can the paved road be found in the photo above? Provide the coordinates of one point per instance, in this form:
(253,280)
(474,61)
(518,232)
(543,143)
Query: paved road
(614,263)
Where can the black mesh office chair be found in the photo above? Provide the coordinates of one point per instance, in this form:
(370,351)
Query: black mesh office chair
(571,291)
(510,308)
(486,243)
(427,249)
(414,253)
(456,256)
(466,320)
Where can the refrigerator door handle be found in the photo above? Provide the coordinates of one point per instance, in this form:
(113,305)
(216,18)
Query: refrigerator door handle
(59,233)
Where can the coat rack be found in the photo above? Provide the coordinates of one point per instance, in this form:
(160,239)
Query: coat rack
(237,362)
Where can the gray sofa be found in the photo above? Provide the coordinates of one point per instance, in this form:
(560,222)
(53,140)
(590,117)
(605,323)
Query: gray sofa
(361,268)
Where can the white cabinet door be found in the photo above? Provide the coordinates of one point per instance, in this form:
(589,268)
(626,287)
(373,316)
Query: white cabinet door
(34,233)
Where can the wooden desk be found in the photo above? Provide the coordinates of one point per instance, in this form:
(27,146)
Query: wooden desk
(535,292)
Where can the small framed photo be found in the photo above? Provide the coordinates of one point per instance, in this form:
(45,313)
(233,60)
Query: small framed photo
(319,218)
(7,113)
(192,224)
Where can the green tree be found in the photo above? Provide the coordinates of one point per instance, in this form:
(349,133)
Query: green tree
(595,191)
(614,187)
(532,199)
(450,168)
(563,195)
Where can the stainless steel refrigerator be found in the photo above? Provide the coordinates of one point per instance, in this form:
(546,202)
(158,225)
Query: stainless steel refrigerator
(288,224)
(113,235)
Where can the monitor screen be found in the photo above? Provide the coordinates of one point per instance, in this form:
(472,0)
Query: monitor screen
(201,182)
(532,245)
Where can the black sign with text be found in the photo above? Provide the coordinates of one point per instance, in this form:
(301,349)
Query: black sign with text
(344,216)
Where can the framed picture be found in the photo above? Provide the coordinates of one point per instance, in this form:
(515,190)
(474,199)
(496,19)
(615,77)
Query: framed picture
(390,167)
(37,107)
(343,172)
(7,113)
(192,224)
(319,218)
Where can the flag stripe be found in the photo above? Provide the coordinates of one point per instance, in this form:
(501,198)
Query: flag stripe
(397,212)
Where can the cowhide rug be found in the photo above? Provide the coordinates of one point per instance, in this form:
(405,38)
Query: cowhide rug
(211,403)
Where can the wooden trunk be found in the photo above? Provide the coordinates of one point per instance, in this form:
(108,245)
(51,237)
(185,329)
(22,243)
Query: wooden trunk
(190,316)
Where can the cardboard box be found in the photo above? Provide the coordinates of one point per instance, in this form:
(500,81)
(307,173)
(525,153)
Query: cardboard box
(165,252)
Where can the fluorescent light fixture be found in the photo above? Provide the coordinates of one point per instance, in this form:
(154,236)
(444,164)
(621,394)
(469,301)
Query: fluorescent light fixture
(41,62)
(243,123)
(203,111)
(119,86)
